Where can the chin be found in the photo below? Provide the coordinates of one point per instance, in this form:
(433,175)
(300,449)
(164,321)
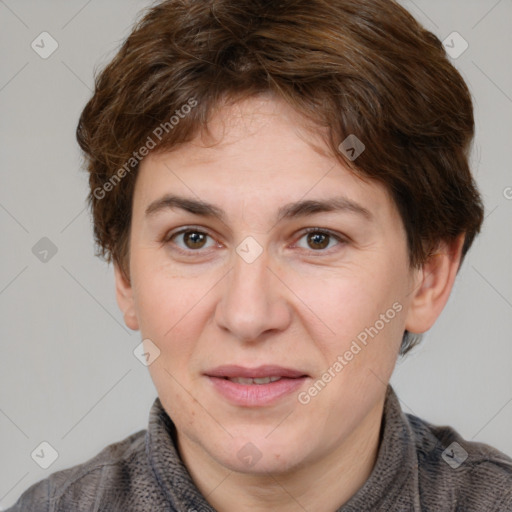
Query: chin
(261,457)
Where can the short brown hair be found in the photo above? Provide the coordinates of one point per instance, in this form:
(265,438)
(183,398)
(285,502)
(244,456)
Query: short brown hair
(354,67)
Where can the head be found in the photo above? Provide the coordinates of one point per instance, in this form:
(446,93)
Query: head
(221,117)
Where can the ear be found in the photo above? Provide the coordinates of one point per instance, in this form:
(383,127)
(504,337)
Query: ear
(125,299)
(433,285)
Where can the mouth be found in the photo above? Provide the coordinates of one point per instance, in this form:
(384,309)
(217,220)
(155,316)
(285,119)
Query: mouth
(249,381)
(255,387)
(258,373)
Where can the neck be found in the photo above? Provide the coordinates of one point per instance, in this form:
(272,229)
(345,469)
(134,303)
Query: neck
(324,484)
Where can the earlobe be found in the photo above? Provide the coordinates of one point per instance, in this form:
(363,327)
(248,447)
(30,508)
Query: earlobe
(433,286)
(125,299)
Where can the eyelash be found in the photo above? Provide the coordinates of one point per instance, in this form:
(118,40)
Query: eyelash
(191,253)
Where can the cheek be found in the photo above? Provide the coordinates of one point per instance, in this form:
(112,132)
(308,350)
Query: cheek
(169,309)
(162,296)
(345,302)
(359,315)
(172,311)
(157,305)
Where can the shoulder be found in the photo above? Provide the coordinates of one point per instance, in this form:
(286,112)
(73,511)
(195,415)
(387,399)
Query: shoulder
(474,475)
(79,487)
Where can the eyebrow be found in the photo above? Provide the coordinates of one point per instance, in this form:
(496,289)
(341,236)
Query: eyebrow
(288,211)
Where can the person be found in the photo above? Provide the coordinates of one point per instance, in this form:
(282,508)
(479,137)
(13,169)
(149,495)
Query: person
(284,191)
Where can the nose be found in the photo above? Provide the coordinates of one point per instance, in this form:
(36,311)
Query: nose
(253,301)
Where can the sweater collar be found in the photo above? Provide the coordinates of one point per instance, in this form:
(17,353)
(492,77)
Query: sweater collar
(170,472)
(393,478)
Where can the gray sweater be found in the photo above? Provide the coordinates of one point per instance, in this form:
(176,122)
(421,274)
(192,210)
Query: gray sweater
(420,467)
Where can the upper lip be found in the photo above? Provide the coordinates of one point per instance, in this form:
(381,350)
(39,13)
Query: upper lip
(232,371)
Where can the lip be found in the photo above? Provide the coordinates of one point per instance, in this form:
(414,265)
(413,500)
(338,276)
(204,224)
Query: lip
(259,372)
(255,395)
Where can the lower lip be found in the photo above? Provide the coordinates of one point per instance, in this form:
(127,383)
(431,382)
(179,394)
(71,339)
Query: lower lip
(256,395)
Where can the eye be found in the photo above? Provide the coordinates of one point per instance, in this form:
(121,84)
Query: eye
(320,239)
(192,239)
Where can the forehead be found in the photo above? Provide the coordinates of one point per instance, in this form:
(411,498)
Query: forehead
(259,152)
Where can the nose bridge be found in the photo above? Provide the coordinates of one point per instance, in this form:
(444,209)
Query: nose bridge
(251,302)
(249,277)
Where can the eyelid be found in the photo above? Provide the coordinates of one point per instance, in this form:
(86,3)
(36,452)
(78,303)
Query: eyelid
(342,239)
(184,229)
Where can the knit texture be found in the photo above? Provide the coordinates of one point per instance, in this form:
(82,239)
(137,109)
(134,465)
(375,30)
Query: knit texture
(145,473)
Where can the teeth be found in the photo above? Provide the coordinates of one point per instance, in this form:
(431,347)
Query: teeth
(264,380)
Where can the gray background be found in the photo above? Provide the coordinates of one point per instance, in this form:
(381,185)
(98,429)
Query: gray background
(68,375)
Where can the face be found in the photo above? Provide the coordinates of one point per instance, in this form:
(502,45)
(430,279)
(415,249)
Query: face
(297,269)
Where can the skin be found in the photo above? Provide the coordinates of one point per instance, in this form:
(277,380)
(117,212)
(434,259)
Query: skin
(296,305)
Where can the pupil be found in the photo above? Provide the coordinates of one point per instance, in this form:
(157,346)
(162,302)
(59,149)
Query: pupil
(195,238)
(318,238)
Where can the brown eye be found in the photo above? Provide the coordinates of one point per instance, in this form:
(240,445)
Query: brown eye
(318,240)
(194,239)
(321,240)
(190,240)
